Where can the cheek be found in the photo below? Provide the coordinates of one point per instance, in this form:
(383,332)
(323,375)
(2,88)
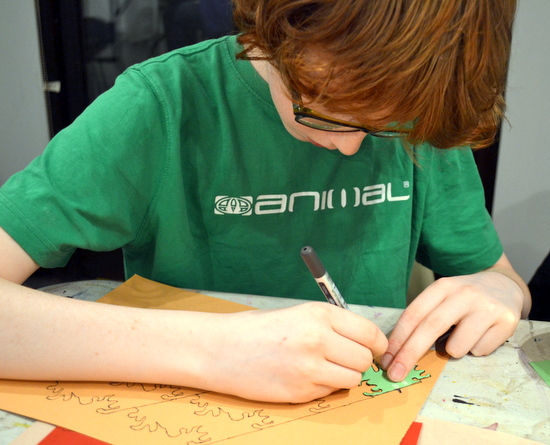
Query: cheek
(283,104)
(284,107)
(298,131)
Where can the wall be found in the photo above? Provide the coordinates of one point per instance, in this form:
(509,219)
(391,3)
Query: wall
(23,119)
(521,207)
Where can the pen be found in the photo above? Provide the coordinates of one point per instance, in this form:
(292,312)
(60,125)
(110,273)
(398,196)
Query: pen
(329,289)
(324,281)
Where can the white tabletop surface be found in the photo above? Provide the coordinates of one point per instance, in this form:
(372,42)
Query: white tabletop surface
(500,391)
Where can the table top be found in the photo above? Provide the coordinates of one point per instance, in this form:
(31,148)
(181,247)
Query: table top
(500,391)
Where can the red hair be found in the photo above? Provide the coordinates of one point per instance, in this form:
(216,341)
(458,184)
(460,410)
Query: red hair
(439,63)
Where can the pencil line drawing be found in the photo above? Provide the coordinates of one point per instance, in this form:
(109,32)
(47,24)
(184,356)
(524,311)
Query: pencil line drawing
(197,417)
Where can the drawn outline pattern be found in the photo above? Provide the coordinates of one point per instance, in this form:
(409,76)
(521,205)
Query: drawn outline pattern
(216,417)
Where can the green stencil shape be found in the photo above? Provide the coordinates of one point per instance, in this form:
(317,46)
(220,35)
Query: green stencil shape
(543,369)
(379,382)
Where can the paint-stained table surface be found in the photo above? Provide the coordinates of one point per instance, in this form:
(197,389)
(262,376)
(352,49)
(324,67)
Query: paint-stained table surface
(501,391)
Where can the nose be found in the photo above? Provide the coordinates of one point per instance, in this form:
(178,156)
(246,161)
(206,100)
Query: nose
(348,143)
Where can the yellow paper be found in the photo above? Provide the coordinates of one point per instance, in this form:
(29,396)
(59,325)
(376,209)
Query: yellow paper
(133,414)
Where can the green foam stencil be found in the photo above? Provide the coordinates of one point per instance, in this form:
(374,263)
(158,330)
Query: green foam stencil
(377,379)
(543,369)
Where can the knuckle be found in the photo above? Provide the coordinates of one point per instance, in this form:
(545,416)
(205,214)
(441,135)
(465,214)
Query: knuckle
(394,344)
(443,283)
(510,317)
(365,361)
(304,369)
(467,291)
(354,381)
(307,370)
(411,315)
(316,309)
(379,340)
(437,323)
(470,288)
(501,314)
(313,341)
(478,352)
(508,331)
(491,305)
(409,354)
(455,351)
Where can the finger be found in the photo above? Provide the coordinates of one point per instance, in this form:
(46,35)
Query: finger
(495,336)
(482,332)
(412,316)
(423,337)
(424,306)
(467,334)
(348,353)
(359,329)
(337,377)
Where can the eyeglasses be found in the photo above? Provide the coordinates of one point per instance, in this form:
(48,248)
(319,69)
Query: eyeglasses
(313,119)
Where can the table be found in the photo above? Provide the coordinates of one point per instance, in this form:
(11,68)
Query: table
(500,391)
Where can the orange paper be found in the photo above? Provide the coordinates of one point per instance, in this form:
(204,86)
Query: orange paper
(133,414)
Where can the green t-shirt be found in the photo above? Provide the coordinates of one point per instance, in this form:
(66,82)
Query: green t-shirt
(185,164)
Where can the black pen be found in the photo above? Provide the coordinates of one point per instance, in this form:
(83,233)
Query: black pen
(329,289)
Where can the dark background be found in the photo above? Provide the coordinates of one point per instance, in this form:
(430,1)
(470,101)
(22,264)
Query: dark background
(86,53)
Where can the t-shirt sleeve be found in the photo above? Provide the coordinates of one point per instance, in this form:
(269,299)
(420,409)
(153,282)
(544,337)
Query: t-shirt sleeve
(95,182)
(457,235)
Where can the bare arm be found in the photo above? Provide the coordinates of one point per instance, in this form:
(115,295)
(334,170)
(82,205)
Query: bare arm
(291,355)
(15,264)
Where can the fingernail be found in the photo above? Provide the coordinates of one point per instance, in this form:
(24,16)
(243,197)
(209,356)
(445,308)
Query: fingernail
(396,372)
(385,360)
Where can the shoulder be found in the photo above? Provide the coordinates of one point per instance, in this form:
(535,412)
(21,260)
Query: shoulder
(189,76)
(431,161)
(199,59)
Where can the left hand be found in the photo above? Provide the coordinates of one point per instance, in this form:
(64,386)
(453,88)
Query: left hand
(484,307)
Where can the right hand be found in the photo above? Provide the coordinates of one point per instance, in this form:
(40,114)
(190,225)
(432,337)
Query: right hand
(294,354)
